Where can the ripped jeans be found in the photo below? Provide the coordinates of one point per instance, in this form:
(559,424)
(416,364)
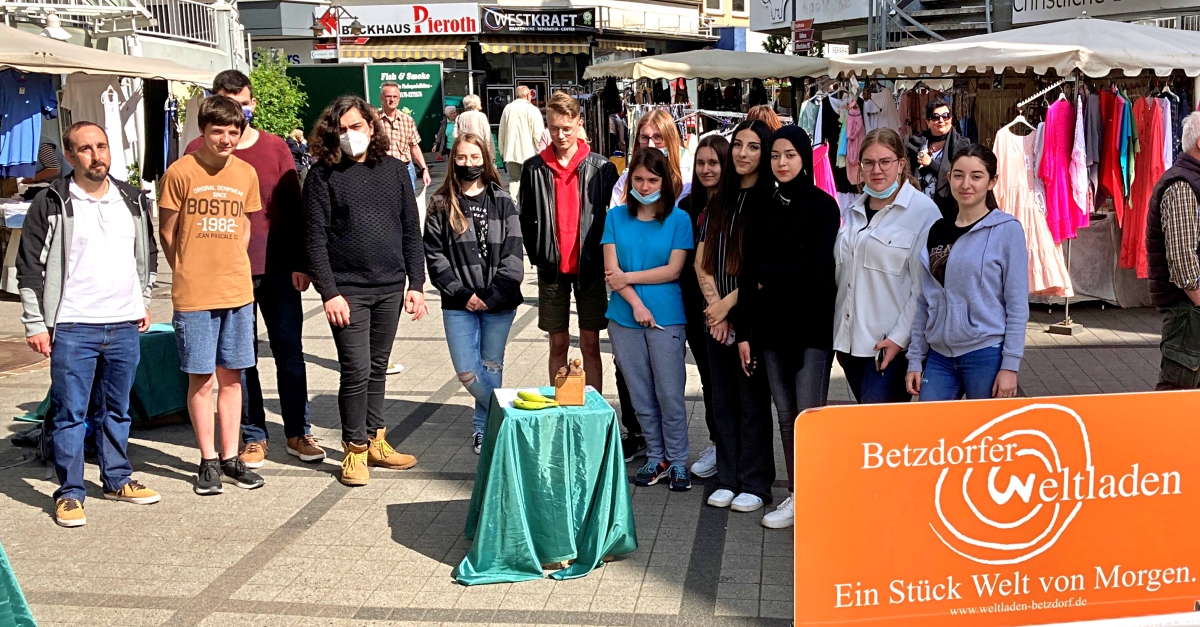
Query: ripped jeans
(476,341)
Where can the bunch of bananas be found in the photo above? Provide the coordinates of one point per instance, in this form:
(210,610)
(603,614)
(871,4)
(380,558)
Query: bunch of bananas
(533,401)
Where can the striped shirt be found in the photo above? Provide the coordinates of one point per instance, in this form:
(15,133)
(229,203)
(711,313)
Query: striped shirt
(1181,232)
(402,135)
(726,283)
(47,157)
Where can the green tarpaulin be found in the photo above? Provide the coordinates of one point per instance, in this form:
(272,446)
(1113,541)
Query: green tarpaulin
(550,487)
(14,611)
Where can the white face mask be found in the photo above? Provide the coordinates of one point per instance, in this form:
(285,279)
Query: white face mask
(355,143)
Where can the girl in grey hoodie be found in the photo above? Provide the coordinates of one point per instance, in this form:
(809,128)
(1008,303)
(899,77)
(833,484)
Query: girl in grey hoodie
(969,330)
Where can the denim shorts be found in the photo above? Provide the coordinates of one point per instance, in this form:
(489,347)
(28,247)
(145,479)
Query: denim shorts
(218,337)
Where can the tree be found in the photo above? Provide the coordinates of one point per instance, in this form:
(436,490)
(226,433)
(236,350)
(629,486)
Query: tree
(279,96)
(776,44)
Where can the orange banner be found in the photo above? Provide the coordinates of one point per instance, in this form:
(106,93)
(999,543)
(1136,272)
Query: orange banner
(998,513)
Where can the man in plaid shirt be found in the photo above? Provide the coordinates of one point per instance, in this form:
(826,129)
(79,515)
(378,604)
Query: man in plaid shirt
(404,140)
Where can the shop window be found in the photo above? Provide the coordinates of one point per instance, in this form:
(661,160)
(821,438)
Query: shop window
(498,68)
(713,6)
(532,65)
(562,69)
(739,7)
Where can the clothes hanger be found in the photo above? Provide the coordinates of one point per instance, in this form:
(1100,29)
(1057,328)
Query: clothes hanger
(1020,119)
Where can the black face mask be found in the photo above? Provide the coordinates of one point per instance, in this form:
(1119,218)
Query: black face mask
(468,172)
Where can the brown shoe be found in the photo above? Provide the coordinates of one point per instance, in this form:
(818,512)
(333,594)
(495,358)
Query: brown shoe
(68,512)
(134,492)
(306,448)
(354,464)
(383,455)
(254,454)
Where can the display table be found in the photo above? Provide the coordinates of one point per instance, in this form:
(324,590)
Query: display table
(550,487)
(159,386)
(14,218)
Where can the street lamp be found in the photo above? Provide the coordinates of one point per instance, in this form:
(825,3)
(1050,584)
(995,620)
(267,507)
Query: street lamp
(339,12)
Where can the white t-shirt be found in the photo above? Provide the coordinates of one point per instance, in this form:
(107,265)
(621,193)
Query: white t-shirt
(102,284)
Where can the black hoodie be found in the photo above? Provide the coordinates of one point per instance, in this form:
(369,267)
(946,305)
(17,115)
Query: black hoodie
(788,253)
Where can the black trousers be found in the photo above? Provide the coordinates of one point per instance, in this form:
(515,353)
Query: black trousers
(697,340)
(363,348)
(744,428)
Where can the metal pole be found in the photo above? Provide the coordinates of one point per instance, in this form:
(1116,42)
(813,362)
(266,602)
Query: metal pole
(470,71)
(337,35)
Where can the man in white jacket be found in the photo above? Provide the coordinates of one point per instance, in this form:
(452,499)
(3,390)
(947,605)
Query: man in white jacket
(520,127)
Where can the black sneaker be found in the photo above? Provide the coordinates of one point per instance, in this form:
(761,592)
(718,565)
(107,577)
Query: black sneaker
(649,474)
(680,481)
(633,446)
(208,479)
(477,442)
(236,471)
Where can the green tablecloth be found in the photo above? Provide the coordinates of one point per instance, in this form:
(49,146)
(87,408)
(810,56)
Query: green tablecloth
(159,387)
(14,611)
(550,487)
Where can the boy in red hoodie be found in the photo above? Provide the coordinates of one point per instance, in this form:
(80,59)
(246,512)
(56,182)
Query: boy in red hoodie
(563,197)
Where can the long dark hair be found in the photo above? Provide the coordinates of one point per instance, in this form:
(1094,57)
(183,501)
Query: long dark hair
(325,143)
(719,145)
(446,197)
(657,163)
(990,164)
(722,208)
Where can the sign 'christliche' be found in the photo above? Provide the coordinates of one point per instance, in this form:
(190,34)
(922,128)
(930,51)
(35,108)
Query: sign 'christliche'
(999,513)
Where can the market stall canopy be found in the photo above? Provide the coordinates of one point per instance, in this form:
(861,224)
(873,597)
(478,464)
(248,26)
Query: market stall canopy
(28,52)
(722,64)
(1093,46)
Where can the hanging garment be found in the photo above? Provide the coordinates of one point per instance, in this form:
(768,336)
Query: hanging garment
(118,168)
(1164,106)
(831,132)
(24,100)
(1126,142)
(1094,137)
(889,115)
(154,153)
(1111,185)
(808,117)
(191,113)
(82,96)
(855,133)
(1019,193)
(823,170)
(819,131)
(1079,172)
(1063,215)
(1150,124)
(172,139)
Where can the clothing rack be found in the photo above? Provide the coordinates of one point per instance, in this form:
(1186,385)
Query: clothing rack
(1045,91)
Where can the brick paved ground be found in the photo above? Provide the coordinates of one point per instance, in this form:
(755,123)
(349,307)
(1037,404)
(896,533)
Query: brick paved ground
(305,550)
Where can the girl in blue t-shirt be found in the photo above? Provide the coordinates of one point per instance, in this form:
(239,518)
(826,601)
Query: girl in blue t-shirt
(645,246)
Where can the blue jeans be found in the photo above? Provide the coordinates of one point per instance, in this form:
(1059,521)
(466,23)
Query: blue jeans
(948,378)
(412,175)
(477,340)
(870,386)
(279,304)
(83,356)
(653,363)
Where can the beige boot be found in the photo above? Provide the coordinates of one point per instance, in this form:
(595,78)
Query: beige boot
(383,455)
(354,464)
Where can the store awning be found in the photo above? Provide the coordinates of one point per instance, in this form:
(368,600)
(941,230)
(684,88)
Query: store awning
(408,48)
(543,45)
(626,46)
(28,52)
(722,64)
(1094,47)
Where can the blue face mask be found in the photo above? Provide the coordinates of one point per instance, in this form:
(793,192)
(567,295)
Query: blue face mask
(248,112)
(887,193)
(645,200)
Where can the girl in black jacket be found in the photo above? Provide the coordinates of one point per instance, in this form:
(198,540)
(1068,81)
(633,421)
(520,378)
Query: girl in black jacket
(473,248)
(788,292)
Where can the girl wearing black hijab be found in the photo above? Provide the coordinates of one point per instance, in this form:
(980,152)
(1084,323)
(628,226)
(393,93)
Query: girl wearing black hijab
(788,293)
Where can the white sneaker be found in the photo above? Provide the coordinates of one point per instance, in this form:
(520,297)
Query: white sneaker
(721,498)
(394,368)
(706,466)
(477,441)
(783,517)
(746,502)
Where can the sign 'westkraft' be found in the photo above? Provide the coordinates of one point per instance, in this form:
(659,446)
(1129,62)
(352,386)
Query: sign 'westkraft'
(545,21)
(998,513)
(389,20)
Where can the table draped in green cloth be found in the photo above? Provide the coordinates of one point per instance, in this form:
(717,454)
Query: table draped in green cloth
(14,611)
(550,487)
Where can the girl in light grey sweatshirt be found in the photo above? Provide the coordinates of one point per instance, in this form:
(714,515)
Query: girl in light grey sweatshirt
(969,330)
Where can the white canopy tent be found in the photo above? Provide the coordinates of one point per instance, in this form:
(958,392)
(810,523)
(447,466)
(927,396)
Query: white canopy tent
(28,52)
(1094,47)
(708,64)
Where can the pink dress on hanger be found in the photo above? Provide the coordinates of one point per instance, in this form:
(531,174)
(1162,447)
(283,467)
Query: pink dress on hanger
(856,131)
(823,170)
(1063,214)
(1018,193)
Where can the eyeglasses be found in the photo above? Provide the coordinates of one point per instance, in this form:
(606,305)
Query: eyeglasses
(884,164)
(940,116)
(647,139)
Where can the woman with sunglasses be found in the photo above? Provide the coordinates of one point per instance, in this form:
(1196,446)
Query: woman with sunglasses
(929,155)
(879,271)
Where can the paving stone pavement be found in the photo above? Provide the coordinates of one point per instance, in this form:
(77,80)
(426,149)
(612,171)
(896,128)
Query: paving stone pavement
(305,550)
